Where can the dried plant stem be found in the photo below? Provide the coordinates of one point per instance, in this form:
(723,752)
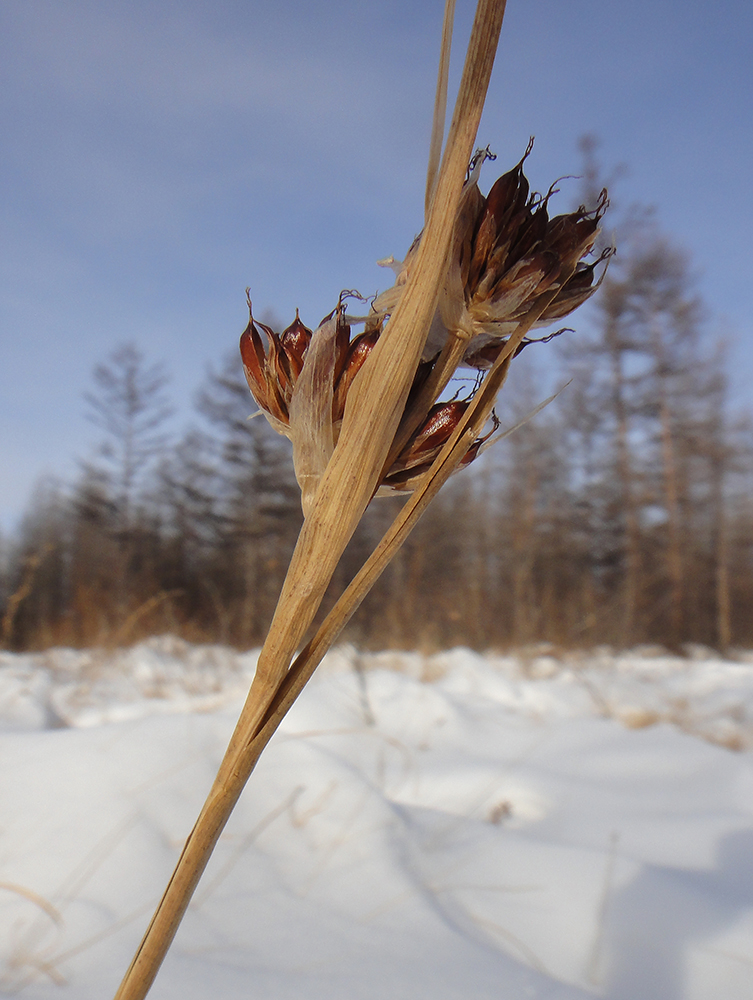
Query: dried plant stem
(16,599)
(440,104)
(374,408)
(146,607)
(378,395)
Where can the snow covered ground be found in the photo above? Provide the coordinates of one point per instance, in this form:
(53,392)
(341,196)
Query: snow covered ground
(442,827)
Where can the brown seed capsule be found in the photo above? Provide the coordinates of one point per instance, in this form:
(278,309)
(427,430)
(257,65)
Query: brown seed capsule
(577,289)
(442,420)
(418,455)
(342,347)
(295,341)
(358,350)
(261,369)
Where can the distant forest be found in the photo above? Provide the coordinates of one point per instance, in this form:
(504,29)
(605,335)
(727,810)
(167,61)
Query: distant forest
(621,514)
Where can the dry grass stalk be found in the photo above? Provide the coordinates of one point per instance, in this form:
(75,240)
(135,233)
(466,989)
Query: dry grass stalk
(123,632)
(374,408)
(440,105)
(389,407)
(20,594)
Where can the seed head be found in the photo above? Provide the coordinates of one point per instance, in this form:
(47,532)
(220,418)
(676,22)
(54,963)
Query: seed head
(506,253)
(507,256)
(300,381)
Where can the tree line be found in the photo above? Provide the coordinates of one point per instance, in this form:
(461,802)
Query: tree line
(621,514)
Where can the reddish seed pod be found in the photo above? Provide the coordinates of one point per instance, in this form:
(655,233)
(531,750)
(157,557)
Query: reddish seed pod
(426,443)
(503,196)
(342,346)
(509,192)
(529,234)
(279,363)
(295,340)
(417,458)
(503,209)
(358,351)
(442,421)
(252,362)
(254,359)
(573,237)
(485,356)
(576,290)
(266,373)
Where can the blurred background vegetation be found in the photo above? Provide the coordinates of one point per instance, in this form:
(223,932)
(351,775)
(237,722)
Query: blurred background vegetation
(621,514)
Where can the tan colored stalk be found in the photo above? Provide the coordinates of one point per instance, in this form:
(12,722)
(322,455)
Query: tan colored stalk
(373,411)
(440,105)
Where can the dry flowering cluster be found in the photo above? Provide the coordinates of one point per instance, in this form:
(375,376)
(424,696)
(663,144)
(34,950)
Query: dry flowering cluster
(365,412)
(506,255)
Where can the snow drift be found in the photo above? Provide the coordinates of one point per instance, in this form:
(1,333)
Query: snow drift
(453,826)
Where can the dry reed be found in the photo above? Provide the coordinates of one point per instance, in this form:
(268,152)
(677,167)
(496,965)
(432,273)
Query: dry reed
(386,406)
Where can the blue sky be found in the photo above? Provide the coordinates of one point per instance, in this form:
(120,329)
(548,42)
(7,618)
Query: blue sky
(159,158)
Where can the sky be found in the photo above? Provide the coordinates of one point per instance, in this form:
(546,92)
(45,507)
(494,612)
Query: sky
(158,159)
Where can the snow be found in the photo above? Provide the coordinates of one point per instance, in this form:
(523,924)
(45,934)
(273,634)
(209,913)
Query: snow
(548,825)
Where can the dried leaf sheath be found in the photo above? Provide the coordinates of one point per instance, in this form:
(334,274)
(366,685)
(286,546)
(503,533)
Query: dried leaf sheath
(311,428)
